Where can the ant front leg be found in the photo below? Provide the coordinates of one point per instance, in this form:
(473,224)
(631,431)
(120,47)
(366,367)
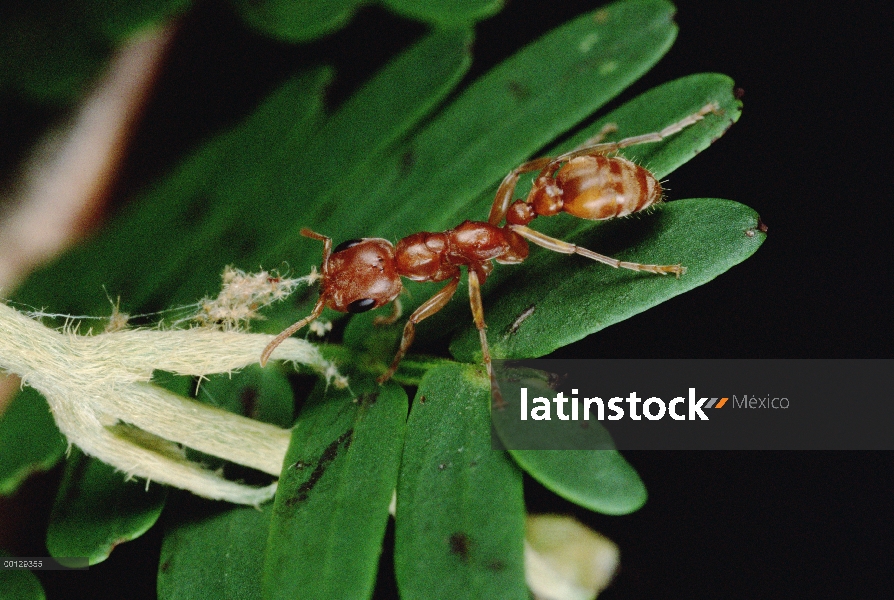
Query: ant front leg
(318,308)
(478,315)
(557,245)
(313,316)
(396,311)
(427,309)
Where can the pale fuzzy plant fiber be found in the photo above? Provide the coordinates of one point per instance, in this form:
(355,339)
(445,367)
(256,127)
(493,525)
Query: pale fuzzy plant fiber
(94,384)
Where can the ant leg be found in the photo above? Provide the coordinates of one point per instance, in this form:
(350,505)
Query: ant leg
(607,129)
(427,309)
(478,315)
(503,198)
(313,316)
(327,245)
(318,308)
(557,245)
(646,138)
(396,311)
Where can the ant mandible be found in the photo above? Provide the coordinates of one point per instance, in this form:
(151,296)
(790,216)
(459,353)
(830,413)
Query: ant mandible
(359,275)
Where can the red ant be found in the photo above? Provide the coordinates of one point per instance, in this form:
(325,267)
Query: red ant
(363,274)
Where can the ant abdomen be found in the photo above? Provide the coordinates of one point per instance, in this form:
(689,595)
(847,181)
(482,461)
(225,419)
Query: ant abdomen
(595,188)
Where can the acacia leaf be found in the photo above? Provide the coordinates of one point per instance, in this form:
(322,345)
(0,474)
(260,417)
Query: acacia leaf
(459,527)
(438,178)
(446,12)
(566,298)
(293,21)
(213,550)
(331,507)
(19,584)
(600,480)
(29,440)
(95,509)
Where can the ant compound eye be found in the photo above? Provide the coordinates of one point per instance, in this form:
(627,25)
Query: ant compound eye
(362,305)
(346,245)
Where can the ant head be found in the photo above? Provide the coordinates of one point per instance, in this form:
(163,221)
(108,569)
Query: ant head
(360,275)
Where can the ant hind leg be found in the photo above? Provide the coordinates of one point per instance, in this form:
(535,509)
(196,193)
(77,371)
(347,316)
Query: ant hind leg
(557,245)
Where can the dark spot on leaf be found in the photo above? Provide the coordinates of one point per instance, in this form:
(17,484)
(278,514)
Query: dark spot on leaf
(197,210)
(461,545)
(407,162)
(442,466)
(496,565)
(473,463)
(74,490)
(329,454)
(554,380)
(422,399)
(249,399)
(518,90)
(165,566)
(369,399)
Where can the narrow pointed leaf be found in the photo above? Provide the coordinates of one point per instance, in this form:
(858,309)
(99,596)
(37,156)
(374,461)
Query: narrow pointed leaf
(51,51)
(94,511)
(213,551)
(254,392)
(460,513)
(503,117)
(331,508)
(441,176)
(600,480)
(572,297)
(29,440)
(145,251)
(293,21)
(19,584)
(446,12)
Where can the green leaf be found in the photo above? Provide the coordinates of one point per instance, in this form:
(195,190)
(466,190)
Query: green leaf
(296,20)
(19,584)
(29,440)
(51,51)
(246,191)
(149,248)
(446,12)
(460,512)
(600,480)
(94,511)
(254,392)
(119,19)
(502,118)
(213,550)
(572,297)
(439,177)
(331,508)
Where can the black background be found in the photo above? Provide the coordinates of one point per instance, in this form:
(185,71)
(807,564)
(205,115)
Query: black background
(811,154)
